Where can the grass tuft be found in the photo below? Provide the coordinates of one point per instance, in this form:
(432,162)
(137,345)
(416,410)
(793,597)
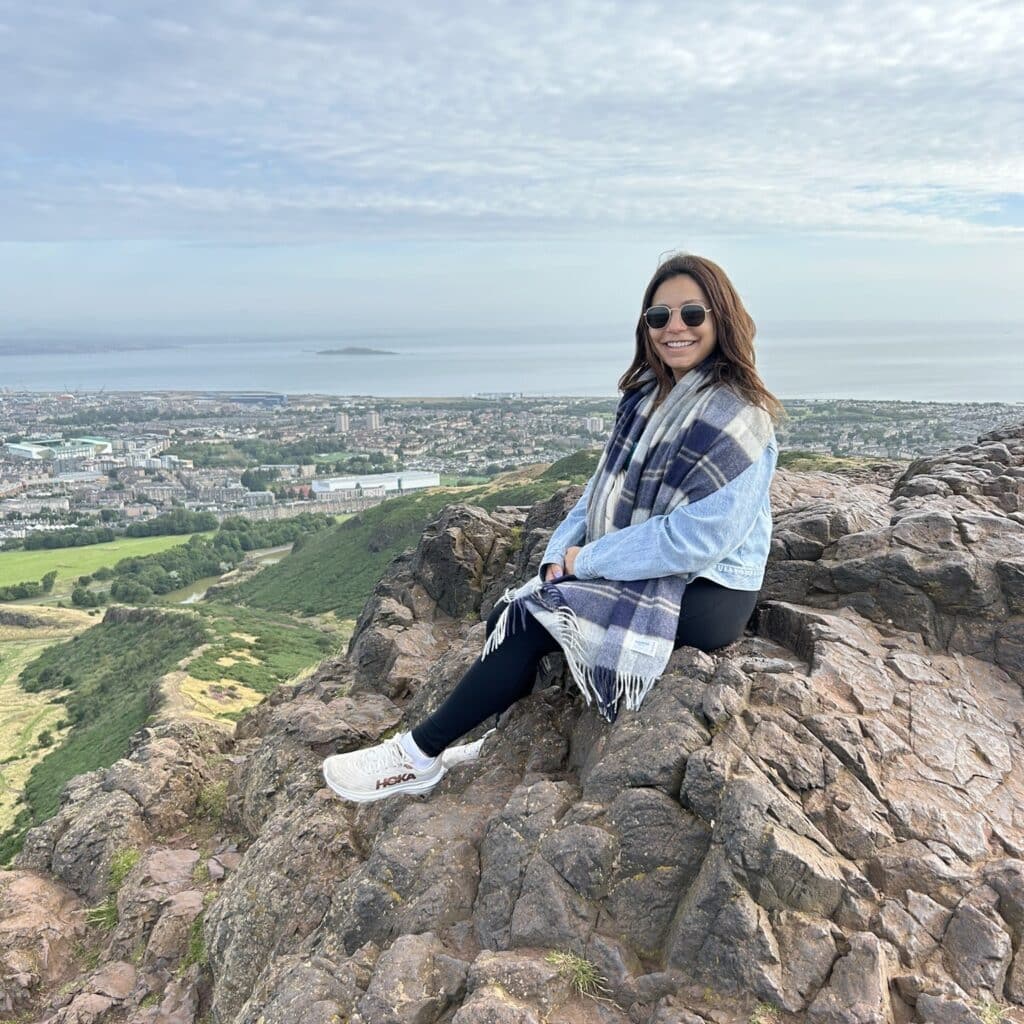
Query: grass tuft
(104,915)
(990,1012)
(764,1013)
(121,866)
(579,972)
(196,952)
(212,800)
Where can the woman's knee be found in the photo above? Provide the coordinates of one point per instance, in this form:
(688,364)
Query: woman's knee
(713,616)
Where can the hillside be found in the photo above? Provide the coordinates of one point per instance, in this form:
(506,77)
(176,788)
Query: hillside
(213,661)
(335,570)
(819,823)
(104,678)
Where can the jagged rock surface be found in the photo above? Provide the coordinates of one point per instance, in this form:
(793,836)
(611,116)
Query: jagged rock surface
(827,816)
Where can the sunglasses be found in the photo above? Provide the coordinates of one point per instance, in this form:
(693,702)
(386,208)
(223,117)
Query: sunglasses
(692,314)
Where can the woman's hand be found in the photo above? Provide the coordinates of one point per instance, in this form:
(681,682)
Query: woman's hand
(570,559)
(554,571)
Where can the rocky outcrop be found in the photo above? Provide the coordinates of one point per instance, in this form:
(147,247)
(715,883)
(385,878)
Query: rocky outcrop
(40,921)
(822,822)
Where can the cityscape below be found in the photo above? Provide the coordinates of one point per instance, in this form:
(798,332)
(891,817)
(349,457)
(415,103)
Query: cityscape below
(126,457)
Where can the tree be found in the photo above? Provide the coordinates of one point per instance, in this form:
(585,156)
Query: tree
(82,598)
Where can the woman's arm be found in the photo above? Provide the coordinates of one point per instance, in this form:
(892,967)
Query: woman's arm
(570,531)
(686,541)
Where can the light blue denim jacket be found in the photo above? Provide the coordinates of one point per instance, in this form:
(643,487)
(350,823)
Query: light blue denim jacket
(723,537)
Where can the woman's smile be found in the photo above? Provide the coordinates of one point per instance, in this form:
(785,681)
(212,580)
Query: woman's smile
(680,346)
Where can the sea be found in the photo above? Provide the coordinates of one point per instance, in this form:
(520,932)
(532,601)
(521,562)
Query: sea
(879,361)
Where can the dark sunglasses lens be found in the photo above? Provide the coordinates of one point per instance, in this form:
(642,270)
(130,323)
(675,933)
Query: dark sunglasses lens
(693,316)
(657,317)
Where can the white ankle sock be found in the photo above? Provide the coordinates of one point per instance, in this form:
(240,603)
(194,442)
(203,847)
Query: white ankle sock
(411,747)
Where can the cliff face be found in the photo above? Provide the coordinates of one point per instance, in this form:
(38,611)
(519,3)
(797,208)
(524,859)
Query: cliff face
(827,816)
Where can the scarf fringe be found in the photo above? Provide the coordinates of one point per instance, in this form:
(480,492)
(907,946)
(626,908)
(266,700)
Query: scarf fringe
(605,687)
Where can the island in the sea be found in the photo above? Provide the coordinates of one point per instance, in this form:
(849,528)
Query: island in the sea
(356,350)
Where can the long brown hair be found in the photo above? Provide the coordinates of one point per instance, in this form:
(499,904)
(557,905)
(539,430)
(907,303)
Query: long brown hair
(733,357)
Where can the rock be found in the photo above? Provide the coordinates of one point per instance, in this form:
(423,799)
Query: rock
(40,921)
(531,979)
(661,847)
(719,934)
(303,855)
(92,835)
(169,940)
(648,747)
(492,1006)
(415,981)
(583,856)
(976,951)
(858,990)
(941,1010)
(511,839)
(912,941)
(410,883)
(116,980)
(313,990)
(550,913)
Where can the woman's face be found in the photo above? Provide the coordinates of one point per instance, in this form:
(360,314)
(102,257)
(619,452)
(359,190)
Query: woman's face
(680,347)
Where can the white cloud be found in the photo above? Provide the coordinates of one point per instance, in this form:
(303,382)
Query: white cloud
(324,120)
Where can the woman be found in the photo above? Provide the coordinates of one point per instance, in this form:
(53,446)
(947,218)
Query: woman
(666,547)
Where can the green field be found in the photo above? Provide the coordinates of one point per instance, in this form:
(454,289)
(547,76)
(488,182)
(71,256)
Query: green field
(70,563)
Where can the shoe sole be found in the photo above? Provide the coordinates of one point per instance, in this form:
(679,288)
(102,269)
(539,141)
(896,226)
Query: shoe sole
(415,788)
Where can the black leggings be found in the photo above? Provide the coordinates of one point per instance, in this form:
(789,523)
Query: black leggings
(710,617)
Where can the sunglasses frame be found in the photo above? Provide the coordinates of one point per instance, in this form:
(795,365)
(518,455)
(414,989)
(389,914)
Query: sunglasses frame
(675,309)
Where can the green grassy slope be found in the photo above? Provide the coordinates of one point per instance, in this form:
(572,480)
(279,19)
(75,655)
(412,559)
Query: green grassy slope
(108,670)
(336,570)
(282,648)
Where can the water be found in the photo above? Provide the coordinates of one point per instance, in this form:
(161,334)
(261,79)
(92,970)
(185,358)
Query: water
(880,361)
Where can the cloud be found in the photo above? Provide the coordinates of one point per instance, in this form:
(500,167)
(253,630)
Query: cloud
(329,120)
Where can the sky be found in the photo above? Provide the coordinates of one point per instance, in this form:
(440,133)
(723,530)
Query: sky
(221,166)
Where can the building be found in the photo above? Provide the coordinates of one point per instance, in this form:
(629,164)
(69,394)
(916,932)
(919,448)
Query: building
(393,483)
(266,399)
(342,423)
(373,420)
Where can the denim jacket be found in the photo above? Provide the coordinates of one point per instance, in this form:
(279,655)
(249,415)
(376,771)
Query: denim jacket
(723,537)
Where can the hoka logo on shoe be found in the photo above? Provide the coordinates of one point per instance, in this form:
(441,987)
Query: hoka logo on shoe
(404,777)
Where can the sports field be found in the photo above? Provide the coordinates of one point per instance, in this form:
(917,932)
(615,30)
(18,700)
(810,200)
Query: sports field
(70,563)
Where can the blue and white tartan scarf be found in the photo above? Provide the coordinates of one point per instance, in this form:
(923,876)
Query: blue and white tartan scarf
(617,636)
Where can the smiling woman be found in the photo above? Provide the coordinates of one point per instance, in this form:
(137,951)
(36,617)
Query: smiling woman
(675,528)
(691,312)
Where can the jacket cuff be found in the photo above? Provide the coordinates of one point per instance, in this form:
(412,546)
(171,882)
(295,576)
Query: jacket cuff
(582,568)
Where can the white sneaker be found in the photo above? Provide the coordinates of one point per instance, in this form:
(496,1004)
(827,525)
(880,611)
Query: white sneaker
(453,756)
(374,773)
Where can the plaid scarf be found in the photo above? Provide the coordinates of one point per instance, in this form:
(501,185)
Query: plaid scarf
(617,636)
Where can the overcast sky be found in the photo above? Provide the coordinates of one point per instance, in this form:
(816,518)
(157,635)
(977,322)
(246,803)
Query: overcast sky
(222,165)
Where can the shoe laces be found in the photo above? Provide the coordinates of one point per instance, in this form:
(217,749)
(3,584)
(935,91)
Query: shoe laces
(388,754)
